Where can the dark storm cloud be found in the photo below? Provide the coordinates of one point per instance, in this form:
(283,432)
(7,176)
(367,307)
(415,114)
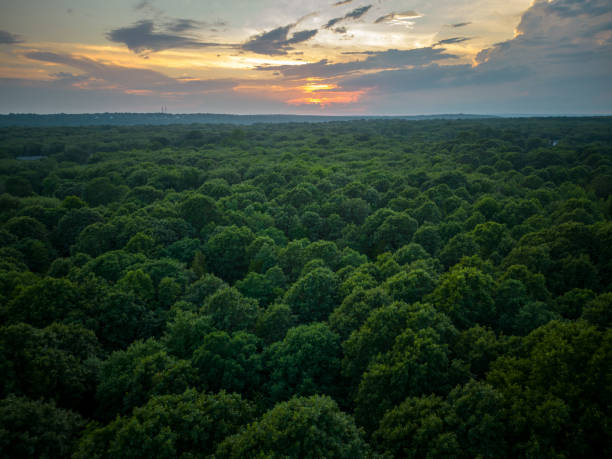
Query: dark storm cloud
(7,38)
(391,58)
(355,14)
(431,77)
(100,75)
(143,37)
(561,57)
(277,41)
(573,8)
(557,32)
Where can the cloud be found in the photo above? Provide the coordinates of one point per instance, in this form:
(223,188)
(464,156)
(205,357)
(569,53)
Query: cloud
(433,76)
(345,2)
(7,38)
(142,37)
(277,41)
(96,75)
(559,61)
(391,58)
(358,12)
(452,41)
(460,24)
(562,32)
(398,17)
(183,25)
(354,14)
(332,22)
(142,5)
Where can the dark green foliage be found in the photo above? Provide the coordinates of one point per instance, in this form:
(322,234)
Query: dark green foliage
(447,282)
(185,332)
(226,252)
(31,428)
(314,296)
(305,362)
(465,294)
(231,311)
(274,323)
(468,423)
(199,211)
(47,301)
(417,364)
(129,378)
(302,427)
(59,362)
(189,424)
(231,363)
(557,391)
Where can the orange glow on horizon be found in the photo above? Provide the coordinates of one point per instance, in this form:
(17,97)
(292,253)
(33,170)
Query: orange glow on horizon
(314,87)
(325,98)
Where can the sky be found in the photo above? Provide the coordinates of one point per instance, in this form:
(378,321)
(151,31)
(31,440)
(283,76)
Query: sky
(323,57)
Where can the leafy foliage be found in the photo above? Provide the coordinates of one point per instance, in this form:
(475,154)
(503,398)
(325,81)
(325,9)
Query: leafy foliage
(437,288)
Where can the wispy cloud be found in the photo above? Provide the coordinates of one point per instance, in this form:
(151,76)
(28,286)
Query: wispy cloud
(345,2)
(358,12)
(144,37)
(460,24)
(277,41)
(389,59)
(7,38)
(354,14)
(404,18)
(183,25)
(452,41)
(96,75)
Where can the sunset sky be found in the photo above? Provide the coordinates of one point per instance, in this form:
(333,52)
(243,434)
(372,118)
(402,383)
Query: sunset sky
(308,56)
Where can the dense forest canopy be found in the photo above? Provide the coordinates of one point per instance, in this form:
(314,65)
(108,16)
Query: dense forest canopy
(374,288)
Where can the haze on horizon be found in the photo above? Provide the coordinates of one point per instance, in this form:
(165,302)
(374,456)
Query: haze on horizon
(321,57)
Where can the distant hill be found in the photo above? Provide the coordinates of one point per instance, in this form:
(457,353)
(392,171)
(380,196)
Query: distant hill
(133,119)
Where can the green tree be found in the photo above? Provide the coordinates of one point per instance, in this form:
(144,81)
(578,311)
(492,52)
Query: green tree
(274,323)
(555,391)
(305,427)
(30,428)
(465,294)
(231,363)
(188,424)
(355,309)
(305,362)
(199,211)
(129,378)
(410,286)
(226,252)
(230,311)
(48,300)
(313,297)
(468,423)
(58,363)
(417,364)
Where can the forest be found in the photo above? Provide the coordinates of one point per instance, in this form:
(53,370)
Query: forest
(350,289)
